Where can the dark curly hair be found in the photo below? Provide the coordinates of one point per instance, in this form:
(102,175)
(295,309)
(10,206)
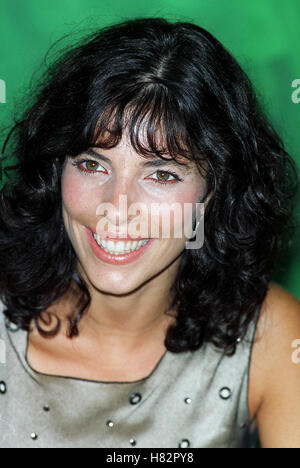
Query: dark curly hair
(178,78)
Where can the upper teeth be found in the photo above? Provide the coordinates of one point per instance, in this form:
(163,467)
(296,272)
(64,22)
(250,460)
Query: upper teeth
(119,246)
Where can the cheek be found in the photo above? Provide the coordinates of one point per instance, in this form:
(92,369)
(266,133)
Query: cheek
(176,214)
(77,197)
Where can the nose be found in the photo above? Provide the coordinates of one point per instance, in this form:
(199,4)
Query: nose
(114,210)
(118,215)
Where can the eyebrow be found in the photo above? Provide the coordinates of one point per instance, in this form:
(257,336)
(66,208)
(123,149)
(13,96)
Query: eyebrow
(151,163)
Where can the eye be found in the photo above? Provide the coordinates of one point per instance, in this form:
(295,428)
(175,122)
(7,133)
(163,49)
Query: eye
(163,177)
(87,165)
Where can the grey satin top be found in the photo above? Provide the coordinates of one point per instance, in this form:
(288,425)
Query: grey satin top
(190,399)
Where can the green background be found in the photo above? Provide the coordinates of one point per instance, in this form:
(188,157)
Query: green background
(262,34)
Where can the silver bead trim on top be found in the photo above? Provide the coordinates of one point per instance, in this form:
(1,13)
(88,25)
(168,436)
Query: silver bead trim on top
(135,398)
(184,443)
(3,387)
(225,393)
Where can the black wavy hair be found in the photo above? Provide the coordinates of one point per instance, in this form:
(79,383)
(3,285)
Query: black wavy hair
(172,77)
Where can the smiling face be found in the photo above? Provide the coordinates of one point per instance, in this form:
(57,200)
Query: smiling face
(103,176)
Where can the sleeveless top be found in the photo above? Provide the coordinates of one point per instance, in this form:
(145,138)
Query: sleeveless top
(193,399)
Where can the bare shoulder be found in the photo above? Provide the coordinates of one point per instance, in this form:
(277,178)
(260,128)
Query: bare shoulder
(274,379)
(280,313)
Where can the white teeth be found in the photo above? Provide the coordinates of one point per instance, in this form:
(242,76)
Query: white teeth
(119,247)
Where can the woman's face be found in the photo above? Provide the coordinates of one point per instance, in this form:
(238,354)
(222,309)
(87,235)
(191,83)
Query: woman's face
(99,189)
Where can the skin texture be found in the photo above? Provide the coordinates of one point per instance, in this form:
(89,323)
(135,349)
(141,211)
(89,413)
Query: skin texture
(82,194)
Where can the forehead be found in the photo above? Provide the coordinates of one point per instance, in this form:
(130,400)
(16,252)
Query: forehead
(147,131)
(142,144)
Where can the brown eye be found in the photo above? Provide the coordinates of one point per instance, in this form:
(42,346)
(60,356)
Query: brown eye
(91,165)
(163,176)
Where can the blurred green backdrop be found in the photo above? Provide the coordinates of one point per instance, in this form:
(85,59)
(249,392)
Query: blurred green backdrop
(262,34)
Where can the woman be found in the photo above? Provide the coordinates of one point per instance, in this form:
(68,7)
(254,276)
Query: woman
(164,342)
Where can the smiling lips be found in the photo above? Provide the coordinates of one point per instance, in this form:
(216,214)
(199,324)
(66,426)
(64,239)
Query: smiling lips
(117,252)
(119,247)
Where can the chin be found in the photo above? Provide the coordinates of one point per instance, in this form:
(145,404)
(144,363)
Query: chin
(115,283)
